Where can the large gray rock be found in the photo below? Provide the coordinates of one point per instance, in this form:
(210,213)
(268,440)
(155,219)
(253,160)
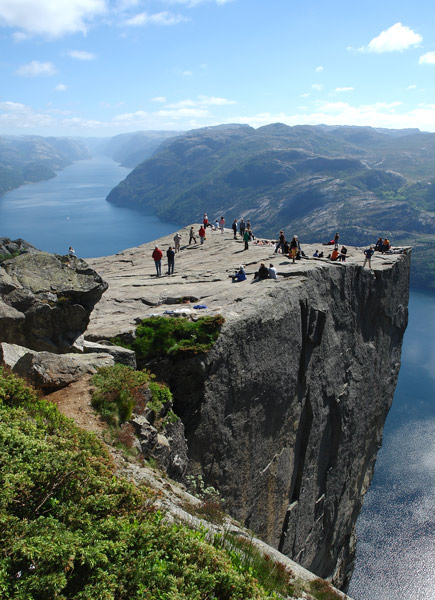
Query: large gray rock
(51,371)
(284,416)
(46,300)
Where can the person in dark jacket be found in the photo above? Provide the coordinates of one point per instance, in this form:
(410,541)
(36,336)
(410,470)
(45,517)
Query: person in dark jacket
(170,253)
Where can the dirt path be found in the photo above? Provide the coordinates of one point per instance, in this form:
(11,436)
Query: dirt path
(74,402)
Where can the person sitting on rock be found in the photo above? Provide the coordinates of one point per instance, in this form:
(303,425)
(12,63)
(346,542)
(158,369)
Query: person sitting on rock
(272,271)
(240,275)
(316,254)
(343,254)
(379,244)
(262,273)
(386,245)
(334,254)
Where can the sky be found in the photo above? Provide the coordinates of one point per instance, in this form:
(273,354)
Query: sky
(103,67)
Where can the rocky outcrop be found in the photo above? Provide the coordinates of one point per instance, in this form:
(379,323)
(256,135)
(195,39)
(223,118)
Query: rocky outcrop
(46,300)
(50,371)
(284,416)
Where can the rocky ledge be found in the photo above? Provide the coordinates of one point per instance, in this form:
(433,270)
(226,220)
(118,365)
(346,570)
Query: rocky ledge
(284,416)
(46,300)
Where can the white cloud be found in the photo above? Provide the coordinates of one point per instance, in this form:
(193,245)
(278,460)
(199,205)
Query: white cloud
(318,69)
(161,99)
(81,55)
(187,73)
(36,68)
(161,18)
(306,95)
(396,38)
(52,18)
(193,3)
(61,87)
(317,86)
(344,89)
(427,59)
(201,102)
(411,87)
(182,113)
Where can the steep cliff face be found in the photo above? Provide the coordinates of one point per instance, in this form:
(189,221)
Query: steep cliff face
(285,414)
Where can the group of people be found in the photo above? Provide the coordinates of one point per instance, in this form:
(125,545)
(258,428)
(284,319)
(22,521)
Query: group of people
(290,248)
(157,256)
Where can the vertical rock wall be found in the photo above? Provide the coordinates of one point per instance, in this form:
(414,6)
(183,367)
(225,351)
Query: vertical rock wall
(285,414)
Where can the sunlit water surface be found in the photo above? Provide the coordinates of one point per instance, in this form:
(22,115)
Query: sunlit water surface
(396,529)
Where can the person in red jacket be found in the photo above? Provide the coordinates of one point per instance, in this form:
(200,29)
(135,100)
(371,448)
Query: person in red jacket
(157,256)
(201,234)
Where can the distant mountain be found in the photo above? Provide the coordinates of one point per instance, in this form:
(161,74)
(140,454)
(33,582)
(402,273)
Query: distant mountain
(312,181)
(27,159)
(130,149)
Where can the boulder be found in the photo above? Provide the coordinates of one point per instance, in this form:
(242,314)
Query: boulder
(47,370)
(46,300)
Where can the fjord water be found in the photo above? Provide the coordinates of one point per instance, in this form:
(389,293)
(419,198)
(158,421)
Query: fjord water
(396,529)
(71,210)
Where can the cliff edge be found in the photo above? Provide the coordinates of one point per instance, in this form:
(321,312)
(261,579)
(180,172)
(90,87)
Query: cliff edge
(285,414)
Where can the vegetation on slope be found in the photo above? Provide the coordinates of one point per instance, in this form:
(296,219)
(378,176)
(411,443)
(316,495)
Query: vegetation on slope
(70,529)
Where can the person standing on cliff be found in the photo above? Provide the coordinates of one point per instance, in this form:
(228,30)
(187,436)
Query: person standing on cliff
(201,234)
(170,253)
(246,238)
(368,256)
(222,224)
(177,240)
(234,226)
(192,236)
(242,228)
(281,242)
(336,238)
(157,257)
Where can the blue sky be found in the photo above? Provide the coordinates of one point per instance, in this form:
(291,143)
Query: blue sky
(102,67)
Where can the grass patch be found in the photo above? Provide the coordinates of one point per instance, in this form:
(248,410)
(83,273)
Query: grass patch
(272,576)
(162,336)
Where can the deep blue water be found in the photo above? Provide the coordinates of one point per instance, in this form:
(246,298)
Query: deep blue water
(71,210)
(396,529)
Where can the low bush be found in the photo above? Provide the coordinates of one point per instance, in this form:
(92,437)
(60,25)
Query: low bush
(70,529)
(119,390)
(161,336)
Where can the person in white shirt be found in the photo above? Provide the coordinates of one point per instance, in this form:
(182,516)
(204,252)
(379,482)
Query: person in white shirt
(272,271)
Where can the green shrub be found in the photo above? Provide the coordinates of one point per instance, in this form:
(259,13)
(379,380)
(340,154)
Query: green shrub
(70,529)
(118,390)
(160,336)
